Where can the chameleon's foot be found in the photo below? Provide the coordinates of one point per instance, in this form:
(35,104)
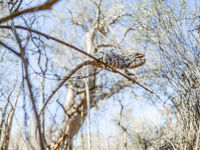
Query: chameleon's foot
(129,73)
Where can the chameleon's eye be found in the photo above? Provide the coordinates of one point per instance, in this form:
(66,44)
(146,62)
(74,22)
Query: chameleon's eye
(127,59)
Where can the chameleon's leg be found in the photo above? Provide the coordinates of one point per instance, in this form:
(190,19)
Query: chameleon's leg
(109,61)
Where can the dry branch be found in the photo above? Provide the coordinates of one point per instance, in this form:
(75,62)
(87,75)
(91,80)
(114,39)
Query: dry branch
(47,5)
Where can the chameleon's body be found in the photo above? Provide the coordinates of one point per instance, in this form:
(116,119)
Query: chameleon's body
(116,60)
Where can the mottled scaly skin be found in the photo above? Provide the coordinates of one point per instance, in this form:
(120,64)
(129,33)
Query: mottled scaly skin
(121,61)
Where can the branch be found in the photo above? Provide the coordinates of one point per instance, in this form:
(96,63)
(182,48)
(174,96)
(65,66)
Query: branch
(10,49)
(98,12)
(62,138)
(54,39)
(117,18)
(47,5)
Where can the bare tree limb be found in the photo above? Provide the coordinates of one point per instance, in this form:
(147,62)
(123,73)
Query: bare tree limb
(47,5)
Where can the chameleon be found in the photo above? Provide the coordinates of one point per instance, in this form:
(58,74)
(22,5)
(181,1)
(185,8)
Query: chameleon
(119,61)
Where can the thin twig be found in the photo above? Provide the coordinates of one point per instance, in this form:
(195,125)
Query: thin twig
(10,49)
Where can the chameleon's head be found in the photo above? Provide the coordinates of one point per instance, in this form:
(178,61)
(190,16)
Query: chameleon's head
(136,60)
